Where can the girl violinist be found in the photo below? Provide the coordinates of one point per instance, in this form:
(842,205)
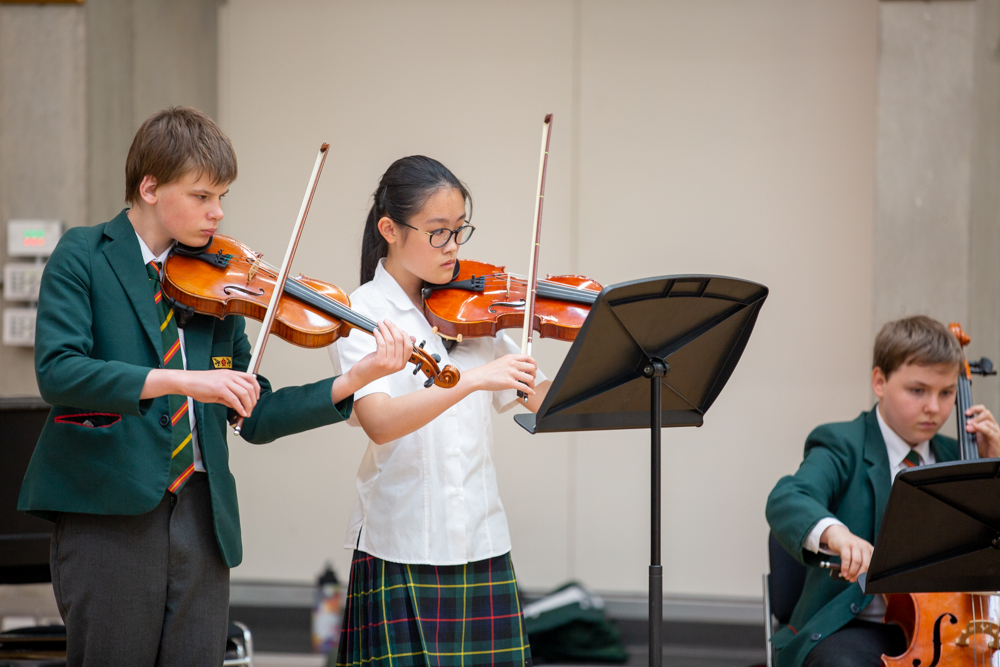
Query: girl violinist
(432,581)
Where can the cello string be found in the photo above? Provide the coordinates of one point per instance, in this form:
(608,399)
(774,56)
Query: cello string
(975,638)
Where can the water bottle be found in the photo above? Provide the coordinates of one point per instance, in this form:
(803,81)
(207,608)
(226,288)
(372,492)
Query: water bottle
(328,613)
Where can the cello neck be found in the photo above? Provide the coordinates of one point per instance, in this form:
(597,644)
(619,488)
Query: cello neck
(963,401)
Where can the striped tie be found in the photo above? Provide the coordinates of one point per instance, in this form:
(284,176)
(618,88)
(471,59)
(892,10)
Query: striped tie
(912,459)
(182,459)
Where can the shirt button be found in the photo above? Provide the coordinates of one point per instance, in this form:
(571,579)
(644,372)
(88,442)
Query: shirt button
(855,608)
(164,420)
(816,636)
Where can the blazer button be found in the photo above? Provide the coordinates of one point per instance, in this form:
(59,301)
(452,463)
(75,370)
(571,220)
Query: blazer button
(816,636)
(164,420)
(855,608)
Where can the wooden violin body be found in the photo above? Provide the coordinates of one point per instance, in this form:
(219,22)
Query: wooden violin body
(234,283)
(483,298)
(226,277)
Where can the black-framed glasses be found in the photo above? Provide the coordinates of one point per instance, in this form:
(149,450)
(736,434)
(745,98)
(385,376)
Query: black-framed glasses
(442,237)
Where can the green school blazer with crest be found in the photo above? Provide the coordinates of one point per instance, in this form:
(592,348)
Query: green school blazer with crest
(845,473)
(104,450)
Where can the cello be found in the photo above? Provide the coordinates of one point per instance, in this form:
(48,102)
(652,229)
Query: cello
(952,629)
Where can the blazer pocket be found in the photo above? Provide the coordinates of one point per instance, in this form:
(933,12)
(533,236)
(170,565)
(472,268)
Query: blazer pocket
(90,419)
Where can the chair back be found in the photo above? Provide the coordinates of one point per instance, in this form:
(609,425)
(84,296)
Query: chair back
(24,539)
(788,576)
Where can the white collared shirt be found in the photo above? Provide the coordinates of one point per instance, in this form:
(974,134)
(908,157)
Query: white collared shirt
(896,448)
(147,257)
(431,496)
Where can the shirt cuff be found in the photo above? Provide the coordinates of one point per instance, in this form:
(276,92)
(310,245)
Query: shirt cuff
(812,540)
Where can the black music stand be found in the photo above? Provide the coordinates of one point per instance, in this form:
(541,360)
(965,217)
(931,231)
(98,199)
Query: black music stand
(940,531)
(685,333)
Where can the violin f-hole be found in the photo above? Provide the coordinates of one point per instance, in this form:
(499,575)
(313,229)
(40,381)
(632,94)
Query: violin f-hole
(259,292)
(520,303)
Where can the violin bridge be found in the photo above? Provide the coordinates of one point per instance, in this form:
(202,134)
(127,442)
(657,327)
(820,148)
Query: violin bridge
(254,267)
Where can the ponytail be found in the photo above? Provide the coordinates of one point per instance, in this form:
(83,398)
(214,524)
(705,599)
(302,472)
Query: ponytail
(401,193)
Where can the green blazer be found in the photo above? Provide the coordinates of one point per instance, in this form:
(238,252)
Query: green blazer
(105,451)
(845,473)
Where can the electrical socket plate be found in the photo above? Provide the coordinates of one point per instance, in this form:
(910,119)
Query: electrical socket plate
(32,238)
(19,327)
(21,281)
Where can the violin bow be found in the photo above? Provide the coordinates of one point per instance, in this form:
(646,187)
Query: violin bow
(529,297)
(286,266)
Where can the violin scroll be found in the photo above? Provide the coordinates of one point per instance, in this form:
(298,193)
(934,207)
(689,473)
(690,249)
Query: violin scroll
(446,377)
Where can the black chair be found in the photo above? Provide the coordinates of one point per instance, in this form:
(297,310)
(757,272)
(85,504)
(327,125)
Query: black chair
(24,548)
(45,646)
(782,590)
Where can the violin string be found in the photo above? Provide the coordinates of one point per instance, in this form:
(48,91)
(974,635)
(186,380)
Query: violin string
(549,289)
(517,279)
(553,289)
(336,308)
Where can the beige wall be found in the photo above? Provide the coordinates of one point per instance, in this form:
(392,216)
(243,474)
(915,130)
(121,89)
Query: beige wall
(43,137)
(732,137)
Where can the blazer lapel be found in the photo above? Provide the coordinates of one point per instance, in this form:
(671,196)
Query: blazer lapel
(125,258)
(877,460)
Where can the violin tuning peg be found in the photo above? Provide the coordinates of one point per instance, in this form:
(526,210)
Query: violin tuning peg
(417,369)
(436,357)
(422,343)
(430,381)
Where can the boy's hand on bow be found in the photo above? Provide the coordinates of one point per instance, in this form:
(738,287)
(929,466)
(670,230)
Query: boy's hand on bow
(855,553)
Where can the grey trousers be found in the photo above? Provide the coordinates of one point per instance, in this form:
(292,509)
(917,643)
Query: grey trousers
(143,591)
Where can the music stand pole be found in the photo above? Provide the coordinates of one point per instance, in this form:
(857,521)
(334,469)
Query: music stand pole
(655,370)
(686,332)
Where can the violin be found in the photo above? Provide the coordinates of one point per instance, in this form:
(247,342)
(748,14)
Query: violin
(482,299)
(225,277)
(954,629)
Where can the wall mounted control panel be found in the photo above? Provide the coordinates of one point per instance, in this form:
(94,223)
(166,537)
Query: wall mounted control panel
(32,238)
(19,326)
(27,239)
(21,281)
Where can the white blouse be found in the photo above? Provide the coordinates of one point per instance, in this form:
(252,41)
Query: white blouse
(431,496)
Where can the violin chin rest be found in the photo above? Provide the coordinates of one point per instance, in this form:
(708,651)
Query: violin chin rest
(192,251)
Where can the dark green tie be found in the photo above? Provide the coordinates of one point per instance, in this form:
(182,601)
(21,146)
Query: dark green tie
(182,459)
(912,459)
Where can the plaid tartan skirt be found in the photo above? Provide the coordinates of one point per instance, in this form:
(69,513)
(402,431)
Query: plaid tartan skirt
(402,615)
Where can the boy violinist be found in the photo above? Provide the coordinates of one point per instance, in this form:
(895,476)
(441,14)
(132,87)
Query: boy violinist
(833,504)
(132,464)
